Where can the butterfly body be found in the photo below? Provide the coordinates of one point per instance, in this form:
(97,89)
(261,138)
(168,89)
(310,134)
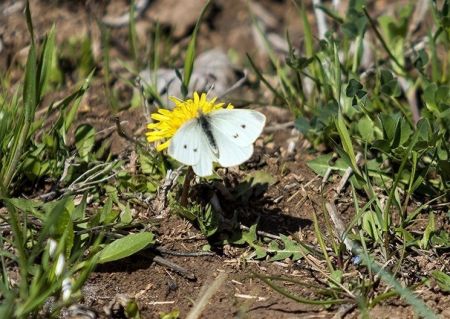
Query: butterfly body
(223,136)
(205,124)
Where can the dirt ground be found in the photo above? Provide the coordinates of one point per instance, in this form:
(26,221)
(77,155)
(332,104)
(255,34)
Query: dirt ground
(286,206)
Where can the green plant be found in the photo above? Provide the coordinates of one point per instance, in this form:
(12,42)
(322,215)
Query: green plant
(48,250)
(396,147)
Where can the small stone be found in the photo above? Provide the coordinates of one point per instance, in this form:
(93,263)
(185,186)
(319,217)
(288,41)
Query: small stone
(270,147)
(445,313)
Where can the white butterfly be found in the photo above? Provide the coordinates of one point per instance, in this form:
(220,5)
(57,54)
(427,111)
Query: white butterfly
(223,136)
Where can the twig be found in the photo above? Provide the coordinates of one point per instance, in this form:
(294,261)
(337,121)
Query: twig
(89,171)
(347,174)
(206,293)
(235,86)
(160,202)
(339,227)
(336,4)
(155,303)
(302,190)
(325,177)
(52,194)
(411,96)
(148,109)
(186,187)
(83,182)
(171,265)
(122,133)
(277,127)
(107,131)
(258,298)
(418,16)
(261,233)
(123,20)
(343,310)
(184,253)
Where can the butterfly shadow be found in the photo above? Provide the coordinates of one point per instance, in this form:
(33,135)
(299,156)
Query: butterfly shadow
(254,204)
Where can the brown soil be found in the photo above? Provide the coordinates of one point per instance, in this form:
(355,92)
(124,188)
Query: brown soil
(285,207)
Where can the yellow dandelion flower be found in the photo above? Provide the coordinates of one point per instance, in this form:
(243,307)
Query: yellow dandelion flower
(169,121)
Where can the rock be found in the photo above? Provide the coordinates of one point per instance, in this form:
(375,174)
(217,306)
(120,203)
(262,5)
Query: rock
(213,73)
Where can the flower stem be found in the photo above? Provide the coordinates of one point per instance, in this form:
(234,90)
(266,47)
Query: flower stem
(186,187)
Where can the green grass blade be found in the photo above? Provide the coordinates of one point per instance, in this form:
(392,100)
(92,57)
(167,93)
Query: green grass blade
(337,76)
(190,53)
(419,306)
(132,36)
(19,243)
(30,98)
(263,79)
(346,140)
(46,61)
(298,299)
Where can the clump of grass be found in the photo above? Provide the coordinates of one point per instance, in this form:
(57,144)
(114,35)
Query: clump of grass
(53,241)
(395,146)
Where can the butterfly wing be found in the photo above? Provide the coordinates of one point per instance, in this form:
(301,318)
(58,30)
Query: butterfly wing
(234,132)
(184,145)
(205,166)
(190,146)
(240,126)
(231,154)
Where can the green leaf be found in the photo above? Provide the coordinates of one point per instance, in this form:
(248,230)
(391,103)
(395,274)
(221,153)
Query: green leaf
(372,225)
(442,279)
(322,163)
(26,205)
(46,60)
(250,236)
(389,84)
(441,239)
(108,215)
(336,276)
(298,63)
(30,87)
(126,217)
(307,29)
(147,163)
(366,129)
(174,314)
(291,249)
(421,60)
(84,140)
(355,22)
(80,211)
(303,125)
(431,227)
(353,88)
(125,247)
(208,221)
(260,252)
